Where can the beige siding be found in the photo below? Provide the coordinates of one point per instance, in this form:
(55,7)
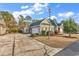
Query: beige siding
(61,29)
(46,28)
(45,21)
(2,30)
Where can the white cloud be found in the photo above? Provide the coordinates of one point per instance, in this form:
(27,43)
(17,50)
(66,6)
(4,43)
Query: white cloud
(41,18)
(66,14)
(60,14)
(23,12)
(57,6)
(78,14)
(41,12)
(35,8)
(24,7)
(38,7)
(53,17)
(69,14)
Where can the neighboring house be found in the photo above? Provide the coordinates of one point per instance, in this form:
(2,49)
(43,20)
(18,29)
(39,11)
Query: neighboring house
(28,20)
(43,25)
(2,27)
(26,28)
(60,28)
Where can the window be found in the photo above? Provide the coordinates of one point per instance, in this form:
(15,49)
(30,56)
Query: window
(42,28)
(46,28)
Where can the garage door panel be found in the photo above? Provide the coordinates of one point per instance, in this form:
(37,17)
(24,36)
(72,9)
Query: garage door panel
(35,30)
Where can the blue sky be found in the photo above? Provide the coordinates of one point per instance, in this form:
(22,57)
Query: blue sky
(59,11)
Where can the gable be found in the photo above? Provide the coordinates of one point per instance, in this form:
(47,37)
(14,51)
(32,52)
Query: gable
(61,26)
(45,22)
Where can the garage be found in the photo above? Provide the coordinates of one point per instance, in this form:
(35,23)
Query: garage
(35,30)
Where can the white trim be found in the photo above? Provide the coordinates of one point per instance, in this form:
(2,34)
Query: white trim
(35,26)
(47,20)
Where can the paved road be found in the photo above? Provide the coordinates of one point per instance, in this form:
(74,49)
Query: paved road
(24,46)
(71,50)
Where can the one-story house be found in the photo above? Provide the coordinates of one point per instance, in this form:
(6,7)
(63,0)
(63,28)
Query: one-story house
(26,27)
(60,28)
(44,25)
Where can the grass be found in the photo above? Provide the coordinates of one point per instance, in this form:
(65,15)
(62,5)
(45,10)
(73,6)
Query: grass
(75,35)
(57,41)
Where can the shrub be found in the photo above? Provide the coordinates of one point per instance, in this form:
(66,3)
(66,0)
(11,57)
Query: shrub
(13,30)
(35,34)
(20,31)
(51,33)
(32,35)
(56,32)
(43,32)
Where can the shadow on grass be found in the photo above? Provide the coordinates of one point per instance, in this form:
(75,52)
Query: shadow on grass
(55,44)
(69,37)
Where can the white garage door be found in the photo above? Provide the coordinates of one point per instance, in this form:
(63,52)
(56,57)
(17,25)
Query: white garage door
(35,30)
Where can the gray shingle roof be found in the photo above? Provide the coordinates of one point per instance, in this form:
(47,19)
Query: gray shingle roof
(53,22)
(36,23)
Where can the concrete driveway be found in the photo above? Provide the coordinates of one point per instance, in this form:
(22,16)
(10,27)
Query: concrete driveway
(24,46)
